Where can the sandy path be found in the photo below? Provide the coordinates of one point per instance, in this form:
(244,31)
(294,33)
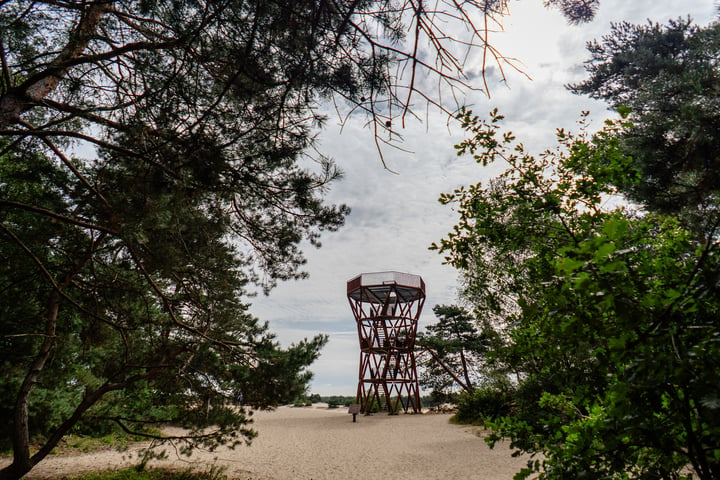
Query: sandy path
(322,444)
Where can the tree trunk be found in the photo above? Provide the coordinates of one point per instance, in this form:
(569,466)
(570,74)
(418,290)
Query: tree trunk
(465,386)
(19,432)
(21,98)
(466,372)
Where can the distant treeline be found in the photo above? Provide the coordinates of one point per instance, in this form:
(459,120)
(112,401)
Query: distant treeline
(336,401)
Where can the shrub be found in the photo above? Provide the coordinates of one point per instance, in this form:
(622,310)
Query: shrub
(483,404)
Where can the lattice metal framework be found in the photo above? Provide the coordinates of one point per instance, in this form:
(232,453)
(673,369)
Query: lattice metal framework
(387,306)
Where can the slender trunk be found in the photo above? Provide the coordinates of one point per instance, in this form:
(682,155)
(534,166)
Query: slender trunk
(19,431)
(465,386)
(466,373)
(17,469)
(695,448)
(88,401)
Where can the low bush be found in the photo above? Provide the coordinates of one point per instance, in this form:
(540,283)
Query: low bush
(482,405)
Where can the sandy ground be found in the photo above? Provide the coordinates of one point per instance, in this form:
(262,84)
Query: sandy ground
(314,443)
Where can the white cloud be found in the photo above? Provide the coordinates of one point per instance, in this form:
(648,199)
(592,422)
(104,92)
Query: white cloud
(396,216)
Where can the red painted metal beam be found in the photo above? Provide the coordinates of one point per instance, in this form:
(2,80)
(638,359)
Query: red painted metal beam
(387,307)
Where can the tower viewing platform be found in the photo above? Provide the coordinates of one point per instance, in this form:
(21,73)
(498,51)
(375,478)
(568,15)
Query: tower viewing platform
(387,306)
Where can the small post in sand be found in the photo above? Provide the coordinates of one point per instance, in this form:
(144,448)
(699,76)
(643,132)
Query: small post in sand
(354,409)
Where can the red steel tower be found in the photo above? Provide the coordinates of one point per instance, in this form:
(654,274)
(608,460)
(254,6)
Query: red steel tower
(387,306)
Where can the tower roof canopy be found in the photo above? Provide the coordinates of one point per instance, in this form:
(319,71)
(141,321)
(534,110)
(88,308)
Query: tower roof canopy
(376,287)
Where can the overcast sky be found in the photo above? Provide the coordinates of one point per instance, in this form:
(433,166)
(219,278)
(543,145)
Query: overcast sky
(395,216)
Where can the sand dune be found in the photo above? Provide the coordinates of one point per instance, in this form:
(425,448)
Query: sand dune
(324,444)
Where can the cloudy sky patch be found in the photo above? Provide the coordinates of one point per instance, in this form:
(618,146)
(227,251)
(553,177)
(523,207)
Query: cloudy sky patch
(395,216)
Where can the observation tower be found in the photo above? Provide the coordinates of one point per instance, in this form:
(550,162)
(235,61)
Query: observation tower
(387,306)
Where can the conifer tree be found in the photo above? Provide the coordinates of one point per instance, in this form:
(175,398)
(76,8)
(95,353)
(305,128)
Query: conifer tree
(665,78)
(150,174)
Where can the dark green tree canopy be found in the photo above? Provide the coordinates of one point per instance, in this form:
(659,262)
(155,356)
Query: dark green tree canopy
(575,11)
(215,96)
(667,78)
(136,322)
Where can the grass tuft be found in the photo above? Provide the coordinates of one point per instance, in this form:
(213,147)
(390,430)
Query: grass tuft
(214,473)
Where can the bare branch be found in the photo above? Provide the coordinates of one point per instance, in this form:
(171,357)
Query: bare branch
(56,216)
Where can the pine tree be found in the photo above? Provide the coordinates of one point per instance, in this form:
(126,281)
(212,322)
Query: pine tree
(665,78)
(150,160)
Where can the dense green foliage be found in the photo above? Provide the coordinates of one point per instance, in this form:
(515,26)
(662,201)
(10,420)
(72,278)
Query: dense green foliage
(483,405)
(611,316)
(153,329)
